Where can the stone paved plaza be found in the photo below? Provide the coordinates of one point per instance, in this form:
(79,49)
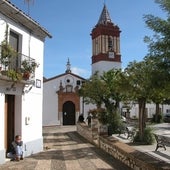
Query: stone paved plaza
(66,150)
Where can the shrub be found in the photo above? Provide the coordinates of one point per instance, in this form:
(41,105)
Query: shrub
(157,118)
(148,137)
(115,122)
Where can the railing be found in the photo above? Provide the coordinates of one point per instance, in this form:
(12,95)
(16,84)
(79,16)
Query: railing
(17,66)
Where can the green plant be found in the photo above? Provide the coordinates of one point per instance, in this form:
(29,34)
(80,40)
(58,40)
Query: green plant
(157,118)
(7,52)
(148,137)
(29,66)
(102,116)
(114,120)
(14,75)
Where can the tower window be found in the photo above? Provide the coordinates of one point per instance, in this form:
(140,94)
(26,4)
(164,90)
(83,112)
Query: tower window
(110,44)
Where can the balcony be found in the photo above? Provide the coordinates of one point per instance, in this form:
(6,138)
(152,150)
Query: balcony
(16,67)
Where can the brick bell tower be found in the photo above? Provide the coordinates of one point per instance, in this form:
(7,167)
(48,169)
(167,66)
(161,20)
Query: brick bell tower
(105,44)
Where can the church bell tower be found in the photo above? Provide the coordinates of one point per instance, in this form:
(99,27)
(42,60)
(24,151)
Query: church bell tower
(105,44)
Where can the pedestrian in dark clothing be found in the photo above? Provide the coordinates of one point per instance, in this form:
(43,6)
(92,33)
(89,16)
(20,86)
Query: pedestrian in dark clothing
(89,119)
(81,118)
(16,151)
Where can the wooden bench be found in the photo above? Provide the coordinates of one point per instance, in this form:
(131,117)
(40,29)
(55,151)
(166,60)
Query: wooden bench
(161,142)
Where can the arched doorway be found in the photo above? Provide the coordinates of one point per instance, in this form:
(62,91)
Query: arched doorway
(68,113)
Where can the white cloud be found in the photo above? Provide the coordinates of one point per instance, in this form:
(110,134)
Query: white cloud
(81,72)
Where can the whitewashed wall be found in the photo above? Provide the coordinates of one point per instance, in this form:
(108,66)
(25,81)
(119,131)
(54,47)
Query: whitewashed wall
(2,150)
(151,109)
(28,105)
(104,66)
(50,100)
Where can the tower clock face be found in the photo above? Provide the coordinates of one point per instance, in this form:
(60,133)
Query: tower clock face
(69,80)
(111,54)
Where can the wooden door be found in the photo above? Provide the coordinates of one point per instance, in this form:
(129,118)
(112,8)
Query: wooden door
(9,120)
(68,113)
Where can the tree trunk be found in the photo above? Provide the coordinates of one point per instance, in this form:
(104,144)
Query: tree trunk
(142,125)
(157,112)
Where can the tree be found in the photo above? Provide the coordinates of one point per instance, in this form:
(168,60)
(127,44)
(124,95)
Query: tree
(92,91)
(112,96)
(136,86)
(159,44)
(103,91)
(159,53)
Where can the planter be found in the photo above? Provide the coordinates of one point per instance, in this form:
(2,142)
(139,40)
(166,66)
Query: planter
(26,76)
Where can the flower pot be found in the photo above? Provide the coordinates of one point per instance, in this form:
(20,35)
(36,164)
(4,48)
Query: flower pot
(26,76)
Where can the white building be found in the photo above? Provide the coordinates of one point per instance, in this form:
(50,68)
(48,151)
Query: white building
(20,98)
(61,103)
(150,110)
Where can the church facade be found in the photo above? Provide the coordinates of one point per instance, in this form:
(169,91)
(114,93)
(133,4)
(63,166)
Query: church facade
(61,103)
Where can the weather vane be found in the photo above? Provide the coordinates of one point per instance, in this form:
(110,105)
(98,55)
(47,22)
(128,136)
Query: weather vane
(28,2)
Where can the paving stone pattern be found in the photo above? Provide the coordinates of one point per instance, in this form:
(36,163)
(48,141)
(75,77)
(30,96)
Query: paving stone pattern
(65,149)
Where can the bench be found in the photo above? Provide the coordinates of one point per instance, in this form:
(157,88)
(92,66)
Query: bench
(130,132)
(161,142)
(122,130)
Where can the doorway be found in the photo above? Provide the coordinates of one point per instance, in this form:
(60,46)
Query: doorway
(68,113)
(9,120)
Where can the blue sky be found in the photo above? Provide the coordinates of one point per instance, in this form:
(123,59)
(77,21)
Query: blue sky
(70,22)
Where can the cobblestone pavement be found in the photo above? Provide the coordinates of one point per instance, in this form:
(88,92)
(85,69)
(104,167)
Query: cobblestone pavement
(66,150)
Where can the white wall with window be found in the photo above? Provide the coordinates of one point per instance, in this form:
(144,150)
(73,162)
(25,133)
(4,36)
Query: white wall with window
(151,109)
(22,99)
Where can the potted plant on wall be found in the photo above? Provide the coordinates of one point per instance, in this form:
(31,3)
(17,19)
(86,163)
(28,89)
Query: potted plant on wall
(28,68)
